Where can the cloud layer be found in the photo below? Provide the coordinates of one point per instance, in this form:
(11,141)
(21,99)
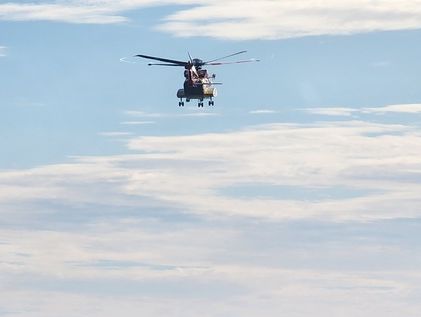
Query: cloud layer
(236,19)
(269,219)
(285,19)
(340,171)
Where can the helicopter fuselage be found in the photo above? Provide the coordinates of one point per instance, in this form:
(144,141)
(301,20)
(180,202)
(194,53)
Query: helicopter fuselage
(200,92)
(197,85)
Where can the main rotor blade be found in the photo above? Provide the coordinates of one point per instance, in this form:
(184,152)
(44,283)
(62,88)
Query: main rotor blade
(217,59)
(158,64)
(180,63)
(237,62)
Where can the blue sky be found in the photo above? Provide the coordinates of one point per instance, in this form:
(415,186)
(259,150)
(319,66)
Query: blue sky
(297,194)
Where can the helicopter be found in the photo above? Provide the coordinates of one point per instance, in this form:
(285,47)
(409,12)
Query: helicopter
(197,82)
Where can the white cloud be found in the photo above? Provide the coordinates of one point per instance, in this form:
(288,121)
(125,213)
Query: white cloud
(331,111)
(241,19)
(198,114)
(262,111)
(197,272)
(2,51)
(381,161)
(341,111)
(237,19)
(269,292)
(207,265)
(124,257)
(404,108)
(137,122)
(115,134)
(322,155)
(71,11)
(142,114)
(381,64)
(78,11)
(193,112)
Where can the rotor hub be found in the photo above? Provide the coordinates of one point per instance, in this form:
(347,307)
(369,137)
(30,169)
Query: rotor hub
(197,62)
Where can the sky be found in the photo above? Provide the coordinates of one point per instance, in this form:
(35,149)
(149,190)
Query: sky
(297,194)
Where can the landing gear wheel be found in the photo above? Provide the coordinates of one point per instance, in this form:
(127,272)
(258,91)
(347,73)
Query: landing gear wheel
(211,103)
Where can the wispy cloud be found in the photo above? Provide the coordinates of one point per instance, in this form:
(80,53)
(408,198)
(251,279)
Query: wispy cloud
(137,122)
(64,11)
(2,51)
(167,228)
(382,160)
(143,268)
(199,114)
(236,19)
(280,156)
(223,290)
(115,134)
(332,111)
(341,111)
(381,64)
(241,19)
(262,111)
(142,114)
(404,108)
(190,113)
